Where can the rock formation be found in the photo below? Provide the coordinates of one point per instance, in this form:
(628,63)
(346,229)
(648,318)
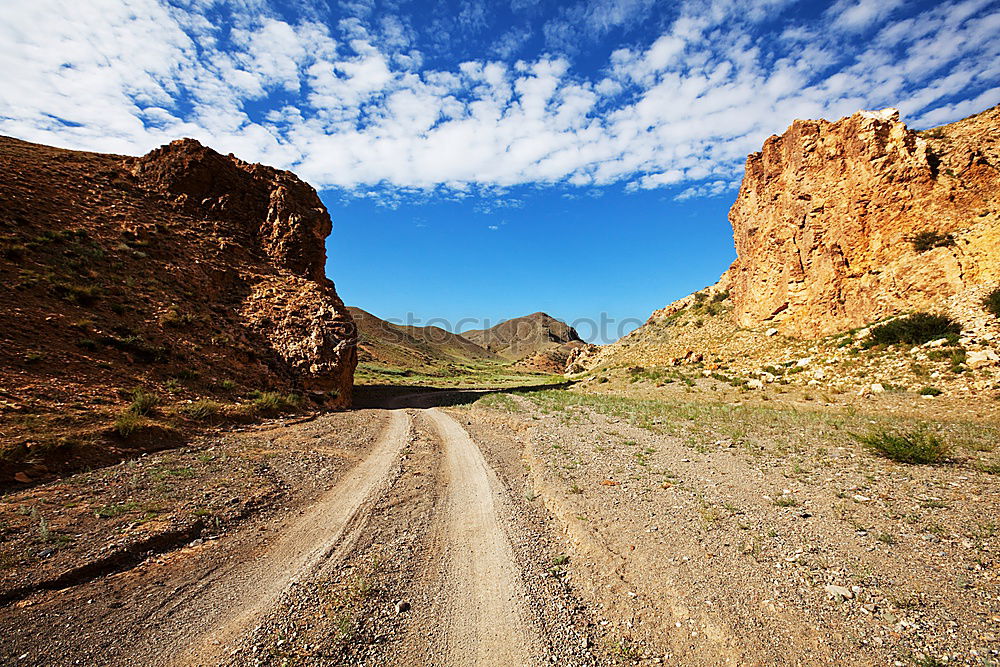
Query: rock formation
(828,212)
(186,273)
(284,222)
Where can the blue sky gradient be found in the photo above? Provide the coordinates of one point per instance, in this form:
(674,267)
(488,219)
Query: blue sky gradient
(491,159)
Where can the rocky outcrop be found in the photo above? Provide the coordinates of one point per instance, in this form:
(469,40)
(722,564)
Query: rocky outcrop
(283,220)
(827,215)
(185,274)
(271,208)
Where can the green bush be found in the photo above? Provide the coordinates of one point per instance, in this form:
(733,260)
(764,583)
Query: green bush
(928,240)
(914,329)
(143,402)
(917,446)
(992,302)
(930,391)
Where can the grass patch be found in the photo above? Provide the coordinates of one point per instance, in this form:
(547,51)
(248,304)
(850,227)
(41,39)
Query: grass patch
(202,409)
(930,391)
(503,402)
(128,423)
(916,446)
(273,402)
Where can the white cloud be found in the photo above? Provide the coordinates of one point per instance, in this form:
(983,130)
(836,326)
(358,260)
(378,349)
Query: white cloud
(355,108)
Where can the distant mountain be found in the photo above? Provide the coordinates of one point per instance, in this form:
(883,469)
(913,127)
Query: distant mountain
(415,348)
(537,341)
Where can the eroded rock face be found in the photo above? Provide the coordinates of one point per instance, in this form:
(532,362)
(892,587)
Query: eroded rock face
(271,208)
(826,214)
(282,220)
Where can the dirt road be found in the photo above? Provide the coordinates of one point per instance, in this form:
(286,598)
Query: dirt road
(523,531)
(481,611)
(229,601)
(211,603)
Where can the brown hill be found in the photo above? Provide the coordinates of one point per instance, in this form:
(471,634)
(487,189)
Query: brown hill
(537,341)
(409,347)
(837,226)
(184,272)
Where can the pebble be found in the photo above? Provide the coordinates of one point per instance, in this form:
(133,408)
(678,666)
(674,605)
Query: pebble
(402,607)
(840,592)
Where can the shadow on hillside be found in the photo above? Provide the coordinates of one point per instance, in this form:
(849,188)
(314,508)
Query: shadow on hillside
(409,396)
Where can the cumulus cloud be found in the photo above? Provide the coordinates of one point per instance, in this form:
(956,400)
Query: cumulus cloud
(350,104)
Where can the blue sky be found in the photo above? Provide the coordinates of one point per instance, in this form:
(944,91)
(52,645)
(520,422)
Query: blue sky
(490,159)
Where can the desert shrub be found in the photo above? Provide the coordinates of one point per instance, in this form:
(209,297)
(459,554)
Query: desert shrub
(143,402)
(135,345)
(992,302)
(916,446)
(128,423)
(719,297)
(12,250)
(173,317)
(930,391)
(202,409)
(928,240)
(914,329)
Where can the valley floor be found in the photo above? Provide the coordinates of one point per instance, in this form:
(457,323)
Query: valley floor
(540,526)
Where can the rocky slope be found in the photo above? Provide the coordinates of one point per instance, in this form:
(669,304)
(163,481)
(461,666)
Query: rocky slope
(185,273)
(837,226)
(537,341)
(829,218)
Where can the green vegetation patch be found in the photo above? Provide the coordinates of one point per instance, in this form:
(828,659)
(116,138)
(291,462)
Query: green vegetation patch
(992,302)
(928,240)
(915,446)
(915,329)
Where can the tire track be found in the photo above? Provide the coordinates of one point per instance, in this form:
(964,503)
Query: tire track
(482,612)
(217,613)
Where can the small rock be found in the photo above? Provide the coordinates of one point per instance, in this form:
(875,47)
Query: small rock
(755,384)
(802,363)
(980,358)
(402,607)
(771,332)
(839,592)
(877,388)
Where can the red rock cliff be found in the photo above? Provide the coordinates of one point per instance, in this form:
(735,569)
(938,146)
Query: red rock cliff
(826,213)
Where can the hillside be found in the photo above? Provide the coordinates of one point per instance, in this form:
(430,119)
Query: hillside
(839,226)
(183,275)
(412,347)
(536,341)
